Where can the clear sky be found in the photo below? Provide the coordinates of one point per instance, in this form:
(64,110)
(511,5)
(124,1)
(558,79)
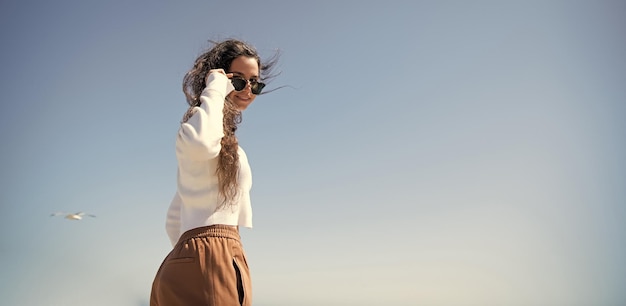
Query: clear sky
(423,153)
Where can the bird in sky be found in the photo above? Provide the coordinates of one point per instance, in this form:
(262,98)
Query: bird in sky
(72,216)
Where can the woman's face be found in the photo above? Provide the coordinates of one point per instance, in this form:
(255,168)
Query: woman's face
(247,68)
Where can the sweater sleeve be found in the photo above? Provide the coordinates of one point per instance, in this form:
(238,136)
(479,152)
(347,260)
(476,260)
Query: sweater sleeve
(200,137)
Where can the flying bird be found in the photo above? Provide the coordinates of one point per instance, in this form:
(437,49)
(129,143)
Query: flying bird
(75,216)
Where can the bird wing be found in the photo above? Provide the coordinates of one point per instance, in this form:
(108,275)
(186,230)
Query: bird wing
(82,213)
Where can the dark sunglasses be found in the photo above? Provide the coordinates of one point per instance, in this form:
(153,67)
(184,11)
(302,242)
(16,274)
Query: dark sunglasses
(240,83)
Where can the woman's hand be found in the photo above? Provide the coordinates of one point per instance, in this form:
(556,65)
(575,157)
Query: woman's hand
(221,71)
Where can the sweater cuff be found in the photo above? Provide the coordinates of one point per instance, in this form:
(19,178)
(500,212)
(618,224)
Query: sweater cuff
(220,82)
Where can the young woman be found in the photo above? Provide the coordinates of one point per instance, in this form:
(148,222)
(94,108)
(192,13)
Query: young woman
(207,265)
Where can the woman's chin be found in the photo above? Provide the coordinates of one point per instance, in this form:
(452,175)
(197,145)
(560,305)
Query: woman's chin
(242,104)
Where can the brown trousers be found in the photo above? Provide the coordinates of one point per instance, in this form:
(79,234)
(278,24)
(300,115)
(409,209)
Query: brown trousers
(206,267)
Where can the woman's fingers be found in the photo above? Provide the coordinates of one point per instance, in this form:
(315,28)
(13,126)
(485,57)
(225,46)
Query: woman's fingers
(220,70)
(212,71)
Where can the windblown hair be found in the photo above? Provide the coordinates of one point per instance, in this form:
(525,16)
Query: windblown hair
(221,56)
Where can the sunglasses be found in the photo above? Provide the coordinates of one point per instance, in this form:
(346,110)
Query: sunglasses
(240,84)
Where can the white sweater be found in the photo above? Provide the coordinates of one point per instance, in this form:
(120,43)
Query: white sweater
(197,198)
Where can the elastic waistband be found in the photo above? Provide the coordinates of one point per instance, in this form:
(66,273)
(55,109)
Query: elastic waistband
(217,230)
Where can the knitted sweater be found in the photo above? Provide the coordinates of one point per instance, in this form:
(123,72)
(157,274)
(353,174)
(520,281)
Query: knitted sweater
(197,198)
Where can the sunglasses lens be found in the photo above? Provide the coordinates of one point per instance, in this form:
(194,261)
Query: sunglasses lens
(257,87)
(239,83)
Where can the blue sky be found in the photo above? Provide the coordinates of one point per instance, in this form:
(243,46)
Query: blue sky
(423,153)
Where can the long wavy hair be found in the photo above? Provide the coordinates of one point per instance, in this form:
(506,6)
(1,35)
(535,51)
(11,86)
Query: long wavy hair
(221,56)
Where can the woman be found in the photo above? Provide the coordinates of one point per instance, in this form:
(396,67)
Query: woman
(207,265)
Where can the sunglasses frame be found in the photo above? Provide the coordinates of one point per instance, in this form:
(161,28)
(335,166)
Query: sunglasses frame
(256,87)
